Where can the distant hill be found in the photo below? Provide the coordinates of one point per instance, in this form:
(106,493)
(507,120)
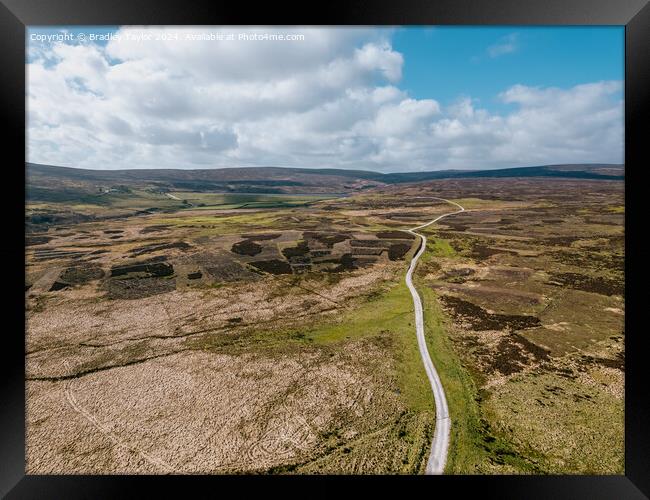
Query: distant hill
(52,183)
(241,180)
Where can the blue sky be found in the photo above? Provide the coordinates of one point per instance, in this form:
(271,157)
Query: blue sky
(388,99)
(445,62)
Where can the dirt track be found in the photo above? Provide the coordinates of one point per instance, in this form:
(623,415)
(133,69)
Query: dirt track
(440,443)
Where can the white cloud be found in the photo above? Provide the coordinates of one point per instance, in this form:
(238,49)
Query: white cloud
(373,57)
(506,45)
(331,100)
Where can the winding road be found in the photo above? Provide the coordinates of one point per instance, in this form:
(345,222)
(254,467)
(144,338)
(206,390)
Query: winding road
(440,443)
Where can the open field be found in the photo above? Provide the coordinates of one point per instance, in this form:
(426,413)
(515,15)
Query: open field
(274,334)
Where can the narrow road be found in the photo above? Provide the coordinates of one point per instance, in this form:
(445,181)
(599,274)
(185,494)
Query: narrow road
(440,443)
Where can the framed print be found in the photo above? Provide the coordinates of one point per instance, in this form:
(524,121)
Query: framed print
(387,242)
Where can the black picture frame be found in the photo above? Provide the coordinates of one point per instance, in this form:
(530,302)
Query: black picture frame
(15,15)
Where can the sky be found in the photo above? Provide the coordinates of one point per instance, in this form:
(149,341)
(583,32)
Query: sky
(395,99)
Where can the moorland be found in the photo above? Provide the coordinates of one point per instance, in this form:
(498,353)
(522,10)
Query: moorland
(257,320)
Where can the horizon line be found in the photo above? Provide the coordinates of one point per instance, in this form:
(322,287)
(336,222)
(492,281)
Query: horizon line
(594,164)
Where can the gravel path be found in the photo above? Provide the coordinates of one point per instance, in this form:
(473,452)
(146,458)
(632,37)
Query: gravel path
(440,443)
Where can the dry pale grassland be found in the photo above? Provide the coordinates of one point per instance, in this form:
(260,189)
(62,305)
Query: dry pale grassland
(199,412)
(207,375)
(124,386)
